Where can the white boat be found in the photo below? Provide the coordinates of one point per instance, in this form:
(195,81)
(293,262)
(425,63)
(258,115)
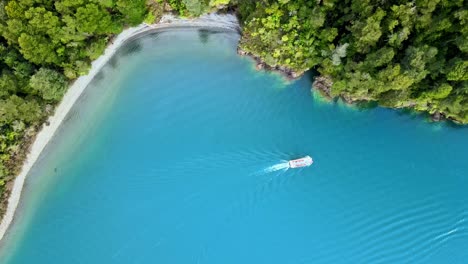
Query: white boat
(302,162)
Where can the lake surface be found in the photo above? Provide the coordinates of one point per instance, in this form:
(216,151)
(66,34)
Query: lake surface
(170,157)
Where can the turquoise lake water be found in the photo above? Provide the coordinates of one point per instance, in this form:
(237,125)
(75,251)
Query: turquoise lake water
(169,157)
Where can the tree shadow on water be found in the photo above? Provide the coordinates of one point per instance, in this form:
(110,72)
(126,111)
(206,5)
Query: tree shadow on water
(130,48)
(366,105)
(124,51)
(204,35)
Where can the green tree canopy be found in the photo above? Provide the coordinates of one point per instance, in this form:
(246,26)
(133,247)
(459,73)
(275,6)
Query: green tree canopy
(50,84)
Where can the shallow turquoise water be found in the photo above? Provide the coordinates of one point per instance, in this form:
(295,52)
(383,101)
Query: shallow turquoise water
(166,159)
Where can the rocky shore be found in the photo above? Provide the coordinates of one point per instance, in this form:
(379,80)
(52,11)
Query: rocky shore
(261,65)
(324,84)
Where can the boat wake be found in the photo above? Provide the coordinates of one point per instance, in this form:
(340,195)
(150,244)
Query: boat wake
(277,167)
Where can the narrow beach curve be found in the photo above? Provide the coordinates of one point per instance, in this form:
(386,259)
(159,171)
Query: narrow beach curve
(224,21)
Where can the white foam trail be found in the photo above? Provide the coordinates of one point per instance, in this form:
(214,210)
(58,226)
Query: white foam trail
(446,234)
(277,167)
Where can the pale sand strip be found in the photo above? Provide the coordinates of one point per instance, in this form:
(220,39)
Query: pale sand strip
(43,137)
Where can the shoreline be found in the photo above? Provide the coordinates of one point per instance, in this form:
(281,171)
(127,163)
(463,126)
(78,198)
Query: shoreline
(75,90)
(260,65)
(323,85)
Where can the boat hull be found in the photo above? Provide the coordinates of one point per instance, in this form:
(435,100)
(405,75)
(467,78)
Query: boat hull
(302,162)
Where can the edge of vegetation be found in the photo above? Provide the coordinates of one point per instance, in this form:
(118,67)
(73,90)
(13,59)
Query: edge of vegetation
(396,53)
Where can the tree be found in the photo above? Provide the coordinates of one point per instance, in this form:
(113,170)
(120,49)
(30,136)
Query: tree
(196,7)
(458,71)
(134,11)
(95,19)
(16,108)
(368,32)
(48,83)
(8,84)
(39,49)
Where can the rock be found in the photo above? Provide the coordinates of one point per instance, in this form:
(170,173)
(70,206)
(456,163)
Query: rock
(241,52)
(260,66)
(167,7)
(347,99)
(437,116)
(324,84)
(49,109)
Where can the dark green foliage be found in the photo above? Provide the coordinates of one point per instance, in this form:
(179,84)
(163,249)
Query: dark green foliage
(289,33)
(16,109)
(94,19)
(49,84)
(134,11)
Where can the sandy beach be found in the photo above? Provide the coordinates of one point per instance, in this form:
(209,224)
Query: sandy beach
(228,22)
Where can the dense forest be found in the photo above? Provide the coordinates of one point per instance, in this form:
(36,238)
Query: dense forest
(397,53)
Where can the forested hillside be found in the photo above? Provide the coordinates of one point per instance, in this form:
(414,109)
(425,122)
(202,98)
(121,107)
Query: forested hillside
(398,53)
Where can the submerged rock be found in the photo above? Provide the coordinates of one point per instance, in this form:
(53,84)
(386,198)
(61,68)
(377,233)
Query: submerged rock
(241,52)
(437,116)
(260,66)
